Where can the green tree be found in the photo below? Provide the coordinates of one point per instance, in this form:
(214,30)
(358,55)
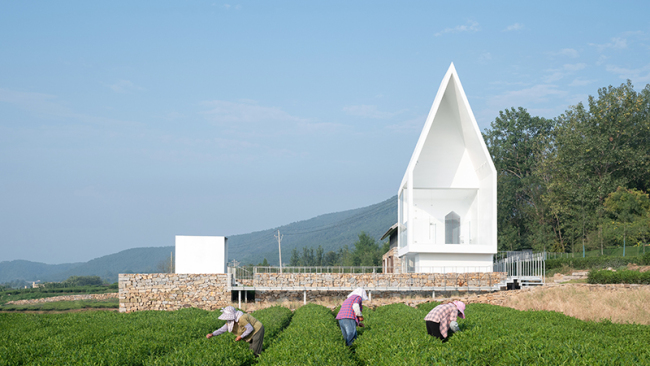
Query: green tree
(345,257)
(330,259)
(308,256)
(295,258)
(599,148)
(385,247)
(366,251)
(319,256)
(518,144)
(628,214)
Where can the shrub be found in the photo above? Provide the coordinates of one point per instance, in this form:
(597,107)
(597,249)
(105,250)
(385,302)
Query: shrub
(623,276)
(646,259)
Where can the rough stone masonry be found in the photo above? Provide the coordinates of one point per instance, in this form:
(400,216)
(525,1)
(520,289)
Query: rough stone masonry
(169,291)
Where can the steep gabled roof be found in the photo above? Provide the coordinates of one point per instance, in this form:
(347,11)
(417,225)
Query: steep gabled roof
(451,122)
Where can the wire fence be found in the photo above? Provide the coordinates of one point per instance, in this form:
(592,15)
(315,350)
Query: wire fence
(613,252)
(248,273)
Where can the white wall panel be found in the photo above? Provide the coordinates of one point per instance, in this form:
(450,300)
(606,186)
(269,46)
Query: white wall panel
(201,254)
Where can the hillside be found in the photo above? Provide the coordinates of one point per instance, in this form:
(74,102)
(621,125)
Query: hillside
(332,231)
(107,267)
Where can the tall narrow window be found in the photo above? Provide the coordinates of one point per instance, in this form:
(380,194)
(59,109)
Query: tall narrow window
(452,228)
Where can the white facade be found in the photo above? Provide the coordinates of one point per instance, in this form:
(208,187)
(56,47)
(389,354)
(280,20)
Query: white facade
(447,210)
(201,254)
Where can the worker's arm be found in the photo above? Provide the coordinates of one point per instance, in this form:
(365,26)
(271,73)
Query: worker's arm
(219,331)
(249,329)
(357,311)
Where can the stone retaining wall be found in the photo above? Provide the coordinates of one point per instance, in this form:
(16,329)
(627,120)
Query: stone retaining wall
(111,295)
(164,291)
(171,291)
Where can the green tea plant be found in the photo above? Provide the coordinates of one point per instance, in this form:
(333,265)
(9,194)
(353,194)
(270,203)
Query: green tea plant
(312,338)
(393,335)
(493,335)
(223,350)
(274,319)
(109,338)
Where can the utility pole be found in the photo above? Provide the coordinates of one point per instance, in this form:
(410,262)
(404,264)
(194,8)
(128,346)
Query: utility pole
(171,262)
(279,237)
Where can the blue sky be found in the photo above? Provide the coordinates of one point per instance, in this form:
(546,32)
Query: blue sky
(123,124)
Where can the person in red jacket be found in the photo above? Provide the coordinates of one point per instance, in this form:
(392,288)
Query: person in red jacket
(350,314)
(443,317)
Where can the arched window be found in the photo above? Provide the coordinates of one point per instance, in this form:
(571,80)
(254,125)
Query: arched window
(452,228)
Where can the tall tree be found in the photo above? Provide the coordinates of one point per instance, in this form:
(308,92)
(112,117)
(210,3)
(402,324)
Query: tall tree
(599,148)
(295,258)
(628,214)
(366,251)
(518,143)
(319,256)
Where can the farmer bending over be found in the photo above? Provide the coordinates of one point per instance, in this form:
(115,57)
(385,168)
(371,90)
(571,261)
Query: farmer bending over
(350,314)
(244,326)
(443,317)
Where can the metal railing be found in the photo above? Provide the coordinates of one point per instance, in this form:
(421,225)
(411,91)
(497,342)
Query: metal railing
(248,273)
(614,252)
(524,266)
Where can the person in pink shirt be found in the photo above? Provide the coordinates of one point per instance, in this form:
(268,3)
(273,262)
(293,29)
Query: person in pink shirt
(443,318)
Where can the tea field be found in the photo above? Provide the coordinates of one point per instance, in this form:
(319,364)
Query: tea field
(393,335)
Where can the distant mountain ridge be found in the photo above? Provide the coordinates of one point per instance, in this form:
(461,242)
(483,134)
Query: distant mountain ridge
(331,231)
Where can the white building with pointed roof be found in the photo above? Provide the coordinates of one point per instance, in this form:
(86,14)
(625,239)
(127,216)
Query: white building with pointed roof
(447,201)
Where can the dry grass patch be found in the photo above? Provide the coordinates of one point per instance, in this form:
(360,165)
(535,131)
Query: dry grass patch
(619,305)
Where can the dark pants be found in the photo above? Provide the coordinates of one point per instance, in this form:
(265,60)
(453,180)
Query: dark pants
(349,330)
(257,342)
(433,329)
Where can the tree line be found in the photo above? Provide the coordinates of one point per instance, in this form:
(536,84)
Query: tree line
(578,179)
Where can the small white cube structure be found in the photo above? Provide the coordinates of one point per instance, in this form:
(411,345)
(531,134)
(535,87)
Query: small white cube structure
(201,254)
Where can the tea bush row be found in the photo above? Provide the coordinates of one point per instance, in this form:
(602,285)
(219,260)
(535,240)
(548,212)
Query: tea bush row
(312,338)
(223,350)
(492,335)
(142,338)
